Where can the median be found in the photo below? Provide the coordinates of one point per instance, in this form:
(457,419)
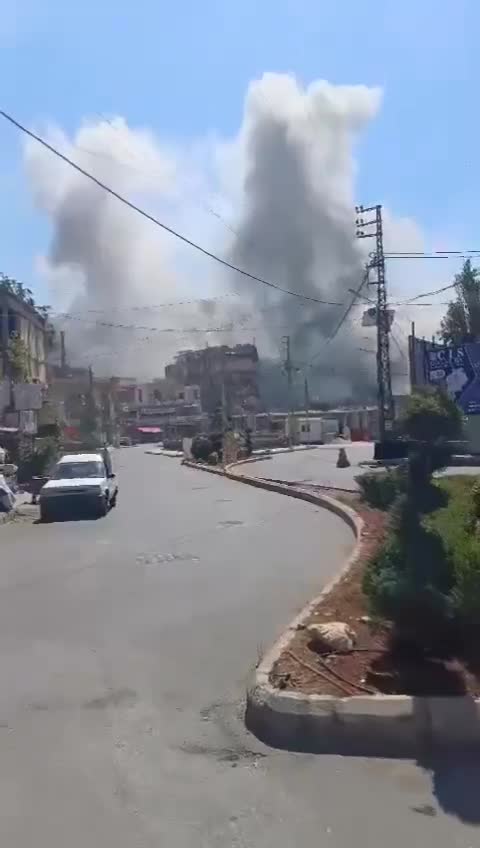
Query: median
(387,660)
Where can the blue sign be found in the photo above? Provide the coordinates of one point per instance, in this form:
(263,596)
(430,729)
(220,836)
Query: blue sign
(457,370)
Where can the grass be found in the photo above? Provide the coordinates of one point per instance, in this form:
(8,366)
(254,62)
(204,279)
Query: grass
(450,521)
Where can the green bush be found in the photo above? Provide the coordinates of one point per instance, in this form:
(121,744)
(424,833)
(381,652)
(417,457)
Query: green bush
(379,490)
(201,448)
(476,499)
(466,591)
(430,422)
(431,417)
(426,577)
(410,579)
(37,463)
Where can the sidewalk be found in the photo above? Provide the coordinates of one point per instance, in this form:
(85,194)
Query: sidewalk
(22,499)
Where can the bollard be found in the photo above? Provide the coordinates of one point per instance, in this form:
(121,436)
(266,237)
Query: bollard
(342,461)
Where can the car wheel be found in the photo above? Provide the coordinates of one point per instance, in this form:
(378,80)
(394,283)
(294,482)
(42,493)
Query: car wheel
(103,506)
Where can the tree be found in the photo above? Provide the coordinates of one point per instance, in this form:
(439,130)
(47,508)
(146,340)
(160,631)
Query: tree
(462,319)
(431,420)
(89,422)
(18,359)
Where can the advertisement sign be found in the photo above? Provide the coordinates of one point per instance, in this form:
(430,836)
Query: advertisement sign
(457,370)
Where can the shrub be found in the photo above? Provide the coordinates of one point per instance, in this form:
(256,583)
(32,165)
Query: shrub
(430,421)
(431,417)
(466,591)
(36,463)
(379,490)
(410,579)
(201,448)
(476,499)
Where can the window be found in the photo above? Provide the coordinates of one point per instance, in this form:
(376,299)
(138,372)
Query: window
(71,470)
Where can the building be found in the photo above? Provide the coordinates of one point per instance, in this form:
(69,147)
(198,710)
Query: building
(226,376)
(20,320)
(159,410)
(24,340)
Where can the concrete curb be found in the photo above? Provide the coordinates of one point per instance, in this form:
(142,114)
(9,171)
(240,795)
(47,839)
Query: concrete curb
(170,454)
(364,725)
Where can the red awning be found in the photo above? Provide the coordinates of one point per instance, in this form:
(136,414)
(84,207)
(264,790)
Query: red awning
(149,429)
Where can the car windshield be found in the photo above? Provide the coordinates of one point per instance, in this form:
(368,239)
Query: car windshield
(70,470)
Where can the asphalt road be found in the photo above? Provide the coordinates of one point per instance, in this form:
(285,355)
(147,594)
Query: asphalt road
(125,645)
(319,466)
(316,466)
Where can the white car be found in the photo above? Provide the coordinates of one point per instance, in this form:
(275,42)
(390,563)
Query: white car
(79,481)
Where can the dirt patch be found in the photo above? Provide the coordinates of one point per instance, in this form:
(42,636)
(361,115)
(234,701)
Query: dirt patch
(375,666)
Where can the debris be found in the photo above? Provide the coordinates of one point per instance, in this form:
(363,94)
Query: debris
(334,635)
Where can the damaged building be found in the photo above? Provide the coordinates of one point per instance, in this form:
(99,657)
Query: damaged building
(226,376)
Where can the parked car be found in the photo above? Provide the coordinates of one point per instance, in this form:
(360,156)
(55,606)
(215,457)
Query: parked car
(80,481)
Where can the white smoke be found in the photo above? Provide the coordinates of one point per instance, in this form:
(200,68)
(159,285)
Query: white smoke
(105,263)
(278,200)
(298,220)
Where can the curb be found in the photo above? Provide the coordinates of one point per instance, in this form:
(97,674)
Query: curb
(362,725)
(170,454)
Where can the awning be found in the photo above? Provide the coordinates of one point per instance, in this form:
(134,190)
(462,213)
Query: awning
(149,429)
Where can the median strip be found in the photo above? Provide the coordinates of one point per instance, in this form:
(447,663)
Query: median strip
(343,718)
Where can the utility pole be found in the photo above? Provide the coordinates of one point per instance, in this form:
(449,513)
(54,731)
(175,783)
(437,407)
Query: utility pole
(412,355)
(224,399)
(289,372)
(307,396)
(377,262)
(63,353)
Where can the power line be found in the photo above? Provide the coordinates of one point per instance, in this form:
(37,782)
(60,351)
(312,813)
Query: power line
(227,328)
(431,253)
(111,324)
(154,220)
(345,315)
(410,300)
(146,307)
(350,306)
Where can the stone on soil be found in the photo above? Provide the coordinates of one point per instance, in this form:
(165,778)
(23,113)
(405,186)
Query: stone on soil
(333,636)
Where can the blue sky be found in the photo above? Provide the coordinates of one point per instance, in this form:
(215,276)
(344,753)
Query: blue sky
(183,68)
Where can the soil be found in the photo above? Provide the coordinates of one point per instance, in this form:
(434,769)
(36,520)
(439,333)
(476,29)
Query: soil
(376,665)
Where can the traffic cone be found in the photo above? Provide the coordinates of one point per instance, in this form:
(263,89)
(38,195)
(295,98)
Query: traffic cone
(342,461)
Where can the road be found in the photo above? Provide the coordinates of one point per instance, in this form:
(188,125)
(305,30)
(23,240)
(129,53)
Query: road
(316,466)
(125,645)
(319,466)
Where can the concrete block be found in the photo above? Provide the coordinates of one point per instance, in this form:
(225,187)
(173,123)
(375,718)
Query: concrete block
(383,724)
(288,720)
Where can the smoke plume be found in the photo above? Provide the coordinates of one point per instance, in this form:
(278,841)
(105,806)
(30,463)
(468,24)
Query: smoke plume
(298,226)
(285,186)
(106,264)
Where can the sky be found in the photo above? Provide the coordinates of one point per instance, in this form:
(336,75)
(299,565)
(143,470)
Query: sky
(182,71)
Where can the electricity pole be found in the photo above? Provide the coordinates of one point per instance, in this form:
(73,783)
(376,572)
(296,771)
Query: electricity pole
(289,372)
(307,396)
(377,262)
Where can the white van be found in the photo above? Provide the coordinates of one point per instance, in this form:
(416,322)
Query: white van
(83,480)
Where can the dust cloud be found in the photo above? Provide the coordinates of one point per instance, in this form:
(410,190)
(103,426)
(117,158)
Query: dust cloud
(291,195)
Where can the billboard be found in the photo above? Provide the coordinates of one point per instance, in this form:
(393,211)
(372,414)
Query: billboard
(457,370)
